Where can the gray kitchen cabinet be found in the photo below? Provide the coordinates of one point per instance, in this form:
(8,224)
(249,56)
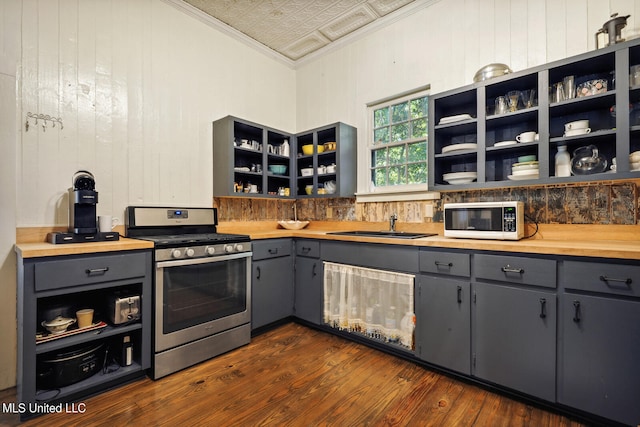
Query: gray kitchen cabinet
(271,282)
(383,257)
(469,134)
(247,154)
(60,285)
(514,322)
(339,158)
(443,322)
(600,340)
(443,309)
(514,338)
(308,303)
(244,154)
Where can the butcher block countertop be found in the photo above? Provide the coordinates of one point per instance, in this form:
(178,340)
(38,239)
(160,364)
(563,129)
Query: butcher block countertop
(620,241)
(602,241)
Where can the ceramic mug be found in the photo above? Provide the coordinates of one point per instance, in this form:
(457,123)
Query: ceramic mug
(106,223)
(526,137)
(578,124)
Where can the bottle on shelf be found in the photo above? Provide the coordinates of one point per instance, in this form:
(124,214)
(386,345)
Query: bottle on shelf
(563,162)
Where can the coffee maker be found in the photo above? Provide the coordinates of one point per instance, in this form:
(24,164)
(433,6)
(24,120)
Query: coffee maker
(83,224)
(83,199)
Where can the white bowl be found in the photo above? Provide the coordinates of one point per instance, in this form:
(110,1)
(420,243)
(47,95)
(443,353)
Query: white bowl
(460,177)
(58,325)
(293,225)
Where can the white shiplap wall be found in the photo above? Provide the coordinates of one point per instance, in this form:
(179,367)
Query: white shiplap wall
(444,45)
(137,84)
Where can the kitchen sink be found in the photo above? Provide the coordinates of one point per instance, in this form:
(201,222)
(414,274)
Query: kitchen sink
(392,234)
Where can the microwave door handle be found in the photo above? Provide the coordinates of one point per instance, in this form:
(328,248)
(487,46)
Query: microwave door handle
(190,261)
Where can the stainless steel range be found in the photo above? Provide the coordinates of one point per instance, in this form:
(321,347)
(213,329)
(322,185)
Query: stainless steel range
(202,289)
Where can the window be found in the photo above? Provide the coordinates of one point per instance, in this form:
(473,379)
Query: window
(398,147)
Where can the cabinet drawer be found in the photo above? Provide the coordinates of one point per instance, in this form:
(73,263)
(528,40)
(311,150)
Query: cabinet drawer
(450,263)
(609,278)
(265,249)
(64,273)
(526,271)
(310,249)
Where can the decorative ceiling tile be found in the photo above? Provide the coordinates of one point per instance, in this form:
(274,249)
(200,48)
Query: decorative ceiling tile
(384,7)
(305,45)
(349,22)
(295,28)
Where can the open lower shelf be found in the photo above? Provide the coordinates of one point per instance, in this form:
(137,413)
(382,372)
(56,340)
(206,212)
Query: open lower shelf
(86,337)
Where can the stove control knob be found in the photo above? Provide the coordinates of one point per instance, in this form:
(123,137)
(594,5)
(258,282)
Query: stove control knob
(228,248)
(176,253)
(210,250)
(189,252)
(239,247)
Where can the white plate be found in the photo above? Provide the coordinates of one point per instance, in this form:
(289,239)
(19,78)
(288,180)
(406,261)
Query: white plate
(504,143)
(453,119)
(521,177)
(464,146)
(524,172)
(241,169)
(576,132)
(516,167)
(460,177)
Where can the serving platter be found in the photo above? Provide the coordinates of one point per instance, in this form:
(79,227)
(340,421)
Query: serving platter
(457,147)
(460,177)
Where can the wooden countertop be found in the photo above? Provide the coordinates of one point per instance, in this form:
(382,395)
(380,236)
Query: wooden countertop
(601,241)
(43,249)
(622,243)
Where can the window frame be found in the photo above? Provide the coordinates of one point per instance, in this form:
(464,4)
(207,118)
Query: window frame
(403,190)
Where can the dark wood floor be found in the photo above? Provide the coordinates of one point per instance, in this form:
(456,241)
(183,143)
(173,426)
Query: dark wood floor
(298,376)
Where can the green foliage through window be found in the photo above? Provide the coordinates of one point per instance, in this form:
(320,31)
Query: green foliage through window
(400,137)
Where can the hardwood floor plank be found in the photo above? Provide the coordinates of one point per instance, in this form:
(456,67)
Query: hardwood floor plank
(297,376)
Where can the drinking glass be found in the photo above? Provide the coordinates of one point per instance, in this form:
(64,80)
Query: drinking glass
(513,97)
(501,105)
(528,97)
(569,87)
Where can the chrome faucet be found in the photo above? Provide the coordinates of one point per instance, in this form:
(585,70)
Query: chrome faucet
(392,222)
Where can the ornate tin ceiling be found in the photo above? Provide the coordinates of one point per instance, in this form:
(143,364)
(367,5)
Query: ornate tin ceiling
(295,28)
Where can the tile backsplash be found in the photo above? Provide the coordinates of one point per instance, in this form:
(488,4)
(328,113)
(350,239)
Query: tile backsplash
(607,202)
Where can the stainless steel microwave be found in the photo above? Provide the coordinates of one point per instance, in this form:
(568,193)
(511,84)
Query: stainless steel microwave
(484,220)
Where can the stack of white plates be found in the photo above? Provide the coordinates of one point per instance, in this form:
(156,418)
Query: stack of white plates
(525,170)
(460,177)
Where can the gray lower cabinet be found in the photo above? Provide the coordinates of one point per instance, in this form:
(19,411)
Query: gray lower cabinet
(599,369)
(514,322)
(271,282)
(308,303)
(443,322)
(66,368)
(514,338)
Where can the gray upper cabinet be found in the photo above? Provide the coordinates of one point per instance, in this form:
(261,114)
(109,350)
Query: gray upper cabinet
(253,160)
(472,134)
(247,154)
(330,168)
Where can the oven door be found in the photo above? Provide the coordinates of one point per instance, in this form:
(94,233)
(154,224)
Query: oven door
(196,298)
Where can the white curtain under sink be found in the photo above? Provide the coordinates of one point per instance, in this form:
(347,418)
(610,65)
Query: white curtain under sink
(375,303)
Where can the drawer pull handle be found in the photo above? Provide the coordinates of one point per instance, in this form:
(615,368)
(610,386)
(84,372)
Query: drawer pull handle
(96,271)
(543,308)
(313,270)
(444,264)
(626,281)
(273,251)
(306,249)
(459,294)
(508,269)
(258,272)
(576,314)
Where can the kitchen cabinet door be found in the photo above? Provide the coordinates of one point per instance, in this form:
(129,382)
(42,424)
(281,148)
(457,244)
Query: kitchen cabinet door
(272,291)
(514,338)
(443,323)
(308,290)
(599,370)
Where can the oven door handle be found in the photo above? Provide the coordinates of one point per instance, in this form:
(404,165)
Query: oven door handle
(189,261)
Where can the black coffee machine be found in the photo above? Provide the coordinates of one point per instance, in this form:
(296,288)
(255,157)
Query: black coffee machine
(83,199)
(83,223)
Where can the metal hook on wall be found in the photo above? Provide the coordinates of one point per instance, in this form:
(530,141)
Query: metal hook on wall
(45,119)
